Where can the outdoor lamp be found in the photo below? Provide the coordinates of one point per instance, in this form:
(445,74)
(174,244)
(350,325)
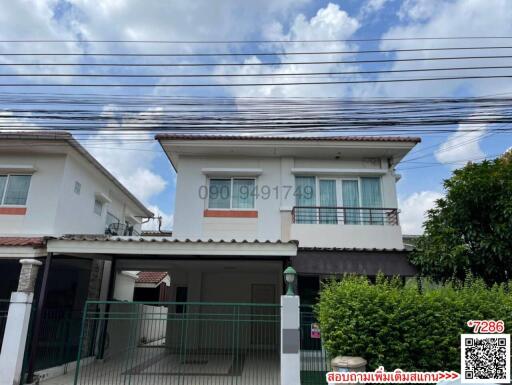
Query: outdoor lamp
(289,276)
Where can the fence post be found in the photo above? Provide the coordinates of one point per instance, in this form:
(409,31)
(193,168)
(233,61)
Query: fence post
(16,328)
(290,340)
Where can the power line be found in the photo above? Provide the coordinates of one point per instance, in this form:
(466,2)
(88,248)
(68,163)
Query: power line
(279,63)
(454,162)
(283,53)
(145,85)
(280,74)
(254,41)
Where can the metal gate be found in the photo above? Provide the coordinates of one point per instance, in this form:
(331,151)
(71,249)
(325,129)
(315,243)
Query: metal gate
(143,343)
(314,361)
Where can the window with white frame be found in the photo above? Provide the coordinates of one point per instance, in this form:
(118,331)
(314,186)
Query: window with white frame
(231,193)
(328,194)
(14,189)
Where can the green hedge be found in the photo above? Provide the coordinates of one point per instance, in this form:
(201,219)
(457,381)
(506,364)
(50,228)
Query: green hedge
(396,326)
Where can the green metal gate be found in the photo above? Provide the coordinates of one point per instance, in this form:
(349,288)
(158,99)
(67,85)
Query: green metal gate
(314,361)
(153,343)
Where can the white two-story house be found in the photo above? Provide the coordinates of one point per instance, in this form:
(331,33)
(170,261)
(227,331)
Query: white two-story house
(246,207)
(51,186)
(335,196)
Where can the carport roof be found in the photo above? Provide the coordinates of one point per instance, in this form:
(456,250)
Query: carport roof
(137,246)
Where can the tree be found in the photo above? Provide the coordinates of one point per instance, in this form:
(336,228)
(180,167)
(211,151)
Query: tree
(470,230)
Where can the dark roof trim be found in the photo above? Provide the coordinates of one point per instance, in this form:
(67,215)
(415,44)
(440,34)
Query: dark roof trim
(356,249)
(290,138)
(67,137)
(328,262)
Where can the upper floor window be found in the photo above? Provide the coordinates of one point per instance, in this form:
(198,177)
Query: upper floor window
(14,189)
(231,193)
(331,200)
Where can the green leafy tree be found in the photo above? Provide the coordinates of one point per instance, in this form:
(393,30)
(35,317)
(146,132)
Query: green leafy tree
(470,230)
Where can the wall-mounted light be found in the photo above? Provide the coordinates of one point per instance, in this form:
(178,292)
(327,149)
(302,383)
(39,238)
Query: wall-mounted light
(289,276)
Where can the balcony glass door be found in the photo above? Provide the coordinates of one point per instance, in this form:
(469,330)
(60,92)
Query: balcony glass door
(327,189)
(371,196)
(305,196)
(350,194)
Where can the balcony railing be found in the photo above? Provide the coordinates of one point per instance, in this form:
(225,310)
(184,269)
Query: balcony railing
(344,215)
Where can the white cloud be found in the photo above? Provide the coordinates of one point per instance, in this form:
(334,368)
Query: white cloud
(464,144)
(372,6)
(460,147)
(129,157)
(413,209)
(329,23)
(435,18)
(177,20)
(167,220)
(418,9)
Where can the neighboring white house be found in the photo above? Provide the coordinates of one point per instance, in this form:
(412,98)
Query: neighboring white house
(50,186)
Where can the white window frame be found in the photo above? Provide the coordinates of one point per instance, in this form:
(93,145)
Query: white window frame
(231,208)
(7,184)
(339,188)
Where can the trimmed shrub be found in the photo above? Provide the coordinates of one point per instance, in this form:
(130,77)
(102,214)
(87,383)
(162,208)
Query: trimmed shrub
(397,326)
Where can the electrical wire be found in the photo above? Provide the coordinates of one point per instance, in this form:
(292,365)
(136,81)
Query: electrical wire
(276,74)
(284,53)
(261,41)
(257,64)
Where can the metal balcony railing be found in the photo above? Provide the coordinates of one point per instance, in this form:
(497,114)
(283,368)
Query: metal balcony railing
(344,215)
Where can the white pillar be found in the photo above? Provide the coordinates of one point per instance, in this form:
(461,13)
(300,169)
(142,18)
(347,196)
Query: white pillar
(16,327)
(290,340)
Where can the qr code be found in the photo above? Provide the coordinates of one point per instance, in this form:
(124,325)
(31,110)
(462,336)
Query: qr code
(485,358)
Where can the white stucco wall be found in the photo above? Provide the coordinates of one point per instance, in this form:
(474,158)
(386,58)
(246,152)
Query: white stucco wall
(53,208)
(124,286)
(279,172)
(92,182)
(42,199)
(348,236)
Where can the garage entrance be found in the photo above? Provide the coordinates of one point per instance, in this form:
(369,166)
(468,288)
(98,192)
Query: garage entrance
(179,343)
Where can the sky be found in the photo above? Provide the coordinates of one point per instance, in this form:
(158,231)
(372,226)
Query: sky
(146,171)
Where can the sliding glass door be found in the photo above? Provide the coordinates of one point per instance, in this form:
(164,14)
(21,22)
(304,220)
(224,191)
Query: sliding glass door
(358,196)
(371,196)
(327,189)
(305,188)
(350,194)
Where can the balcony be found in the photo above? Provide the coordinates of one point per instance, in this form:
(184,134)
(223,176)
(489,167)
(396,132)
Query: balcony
(344,215)
(346,227)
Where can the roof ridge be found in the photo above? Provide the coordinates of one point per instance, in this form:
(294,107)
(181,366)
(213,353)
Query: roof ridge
(362,138)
